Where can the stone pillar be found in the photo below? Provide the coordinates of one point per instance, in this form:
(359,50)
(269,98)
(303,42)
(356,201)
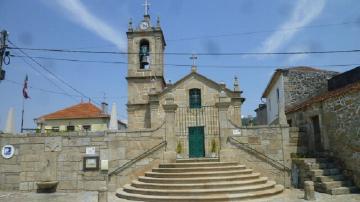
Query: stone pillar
(113,118)
(103,195)
(236,102)
(226,154)
(170,136)
(10,122)
(223,106)
(309,193)
(154,110)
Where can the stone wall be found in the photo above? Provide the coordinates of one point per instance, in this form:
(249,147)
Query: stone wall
(300,85)
(340,128)
(59,157)
(276,142)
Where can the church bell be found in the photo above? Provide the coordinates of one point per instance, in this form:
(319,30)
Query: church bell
(144,60)
(144,54)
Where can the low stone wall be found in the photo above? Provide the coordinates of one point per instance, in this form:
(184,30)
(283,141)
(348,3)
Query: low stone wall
(276,142)
(59,157)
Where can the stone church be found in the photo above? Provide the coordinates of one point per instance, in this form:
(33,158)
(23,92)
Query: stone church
(195,96)
(147,87)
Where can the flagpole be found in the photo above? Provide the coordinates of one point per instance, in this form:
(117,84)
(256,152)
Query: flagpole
(22,114)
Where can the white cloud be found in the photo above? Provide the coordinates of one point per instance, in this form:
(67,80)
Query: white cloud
(305,11)
(84,17)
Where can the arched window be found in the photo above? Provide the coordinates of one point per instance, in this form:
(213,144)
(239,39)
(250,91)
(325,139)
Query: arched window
(195,98)
(144,54)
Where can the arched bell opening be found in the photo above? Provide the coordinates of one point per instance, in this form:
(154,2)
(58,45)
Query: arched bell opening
(144,54)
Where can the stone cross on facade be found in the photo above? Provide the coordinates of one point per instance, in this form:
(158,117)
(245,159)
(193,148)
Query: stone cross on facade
(193,58)
(147,7)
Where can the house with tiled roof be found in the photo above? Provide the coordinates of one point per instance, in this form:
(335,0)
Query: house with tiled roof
(294,85)
(79,117)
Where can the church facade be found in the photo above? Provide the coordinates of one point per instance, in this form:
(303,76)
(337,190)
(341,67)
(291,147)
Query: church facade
(195,95)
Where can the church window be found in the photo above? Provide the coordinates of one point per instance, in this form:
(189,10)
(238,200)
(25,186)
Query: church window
(195,98)
(144,54)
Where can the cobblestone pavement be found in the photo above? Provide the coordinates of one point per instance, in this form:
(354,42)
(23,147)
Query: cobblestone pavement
(289,195)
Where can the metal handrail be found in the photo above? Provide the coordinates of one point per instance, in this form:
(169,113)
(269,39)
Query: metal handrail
(137,158)
(279,164)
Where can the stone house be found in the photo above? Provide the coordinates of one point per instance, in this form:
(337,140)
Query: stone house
(294,85)
(195,95)
(331,121)
(261,115)
(80,117)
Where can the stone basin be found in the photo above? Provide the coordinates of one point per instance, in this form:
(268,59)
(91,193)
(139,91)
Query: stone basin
(47,186)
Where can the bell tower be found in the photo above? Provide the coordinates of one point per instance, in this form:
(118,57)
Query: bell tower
(146,45)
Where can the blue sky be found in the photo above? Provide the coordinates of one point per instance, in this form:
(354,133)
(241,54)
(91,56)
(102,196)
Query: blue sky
(201,26)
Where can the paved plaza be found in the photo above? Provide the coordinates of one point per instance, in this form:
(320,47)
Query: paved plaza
(289,195)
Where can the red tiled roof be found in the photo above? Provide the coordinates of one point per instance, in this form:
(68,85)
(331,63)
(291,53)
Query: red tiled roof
(354,87)
(79,111)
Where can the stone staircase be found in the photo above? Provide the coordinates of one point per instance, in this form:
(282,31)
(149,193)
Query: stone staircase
(199,180)
(329,179)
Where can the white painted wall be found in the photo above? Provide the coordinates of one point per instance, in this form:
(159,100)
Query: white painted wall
(272,100)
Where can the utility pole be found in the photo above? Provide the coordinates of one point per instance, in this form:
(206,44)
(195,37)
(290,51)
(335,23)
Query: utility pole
(3,46)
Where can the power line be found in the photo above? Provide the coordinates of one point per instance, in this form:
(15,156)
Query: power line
(41,89)
(46,77)
(184,53)
(47,70)
(55,92)
(263,31)
(183,65)
(74,60)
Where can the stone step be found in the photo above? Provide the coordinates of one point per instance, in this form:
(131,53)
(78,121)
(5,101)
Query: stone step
(209,197)
(343,190)
(323,165)
(324,186)
(198,174)
(318,160)
(260,180)
(195,160)
(326,172)
(199,179)
(197,169)
(198,164)
(199,192)
(329,178)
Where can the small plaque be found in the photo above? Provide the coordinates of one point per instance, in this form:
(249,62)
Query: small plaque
(236,132)
(90,151)
(8,151)
(91,163)
(104,165)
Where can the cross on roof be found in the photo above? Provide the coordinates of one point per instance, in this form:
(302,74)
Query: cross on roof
(193,58)
(147,6)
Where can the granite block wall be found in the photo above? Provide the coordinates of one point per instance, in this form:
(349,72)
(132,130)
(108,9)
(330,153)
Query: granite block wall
(59,157)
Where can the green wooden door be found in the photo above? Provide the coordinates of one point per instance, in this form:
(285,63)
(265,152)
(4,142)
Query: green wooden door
(196,142)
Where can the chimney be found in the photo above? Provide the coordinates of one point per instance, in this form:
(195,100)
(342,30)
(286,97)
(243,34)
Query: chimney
(104,107)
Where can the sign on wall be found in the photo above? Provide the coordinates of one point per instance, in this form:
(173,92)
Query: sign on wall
(236,132)
(90,151)
(8,151)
